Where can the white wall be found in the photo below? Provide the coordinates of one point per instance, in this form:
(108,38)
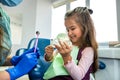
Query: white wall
(43,18)
(112,70)
(36,15)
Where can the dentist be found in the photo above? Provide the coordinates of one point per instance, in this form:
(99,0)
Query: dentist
(21,64)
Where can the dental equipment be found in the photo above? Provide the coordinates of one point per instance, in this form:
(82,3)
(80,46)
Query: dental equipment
(36,42)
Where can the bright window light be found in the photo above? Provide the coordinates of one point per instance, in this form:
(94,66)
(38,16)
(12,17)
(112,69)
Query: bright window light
(78,3)
(105,19)
(58,20)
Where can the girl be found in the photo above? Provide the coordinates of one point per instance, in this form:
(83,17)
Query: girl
(78,61)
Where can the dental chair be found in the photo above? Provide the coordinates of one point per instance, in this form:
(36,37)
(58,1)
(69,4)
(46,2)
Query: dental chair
(38,72)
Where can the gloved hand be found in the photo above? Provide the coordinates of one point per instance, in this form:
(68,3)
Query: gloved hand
(15,59)
(28,62)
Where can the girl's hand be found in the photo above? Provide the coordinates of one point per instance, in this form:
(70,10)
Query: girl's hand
(63,48)
(49,51)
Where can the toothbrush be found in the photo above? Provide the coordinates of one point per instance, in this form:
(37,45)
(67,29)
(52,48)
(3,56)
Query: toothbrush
(36,42)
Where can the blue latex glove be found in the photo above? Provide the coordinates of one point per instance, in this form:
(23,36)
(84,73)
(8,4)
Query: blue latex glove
(10,3)
(15,59)
(28,62)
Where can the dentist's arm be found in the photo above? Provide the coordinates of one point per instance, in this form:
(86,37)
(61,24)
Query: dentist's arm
(4,75)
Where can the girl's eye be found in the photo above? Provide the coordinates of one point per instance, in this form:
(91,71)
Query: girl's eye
(72,29)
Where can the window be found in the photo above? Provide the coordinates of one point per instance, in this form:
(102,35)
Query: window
(58,20)
(78,3)
(104,17)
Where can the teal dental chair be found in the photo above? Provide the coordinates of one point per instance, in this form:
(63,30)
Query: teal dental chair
(38,71)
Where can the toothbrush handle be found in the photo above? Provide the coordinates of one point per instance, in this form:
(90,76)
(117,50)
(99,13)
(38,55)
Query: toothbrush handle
(36,42)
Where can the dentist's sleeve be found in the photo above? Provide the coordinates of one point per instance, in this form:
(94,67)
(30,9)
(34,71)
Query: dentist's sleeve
(4,75)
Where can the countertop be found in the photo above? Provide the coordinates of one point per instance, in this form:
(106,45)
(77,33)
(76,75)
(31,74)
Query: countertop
(107,52)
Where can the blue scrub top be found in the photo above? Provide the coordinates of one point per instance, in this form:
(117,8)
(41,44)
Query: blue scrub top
(10,3)
(6,43)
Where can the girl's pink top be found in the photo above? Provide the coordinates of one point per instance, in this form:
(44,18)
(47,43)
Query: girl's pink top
(78,71)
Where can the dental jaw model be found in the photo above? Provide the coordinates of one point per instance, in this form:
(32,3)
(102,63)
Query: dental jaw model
(61,37)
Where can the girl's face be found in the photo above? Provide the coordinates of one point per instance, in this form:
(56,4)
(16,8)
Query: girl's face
(73,29)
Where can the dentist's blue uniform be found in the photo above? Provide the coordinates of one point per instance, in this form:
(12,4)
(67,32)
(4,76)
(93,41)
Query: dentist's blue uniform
(5,25)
